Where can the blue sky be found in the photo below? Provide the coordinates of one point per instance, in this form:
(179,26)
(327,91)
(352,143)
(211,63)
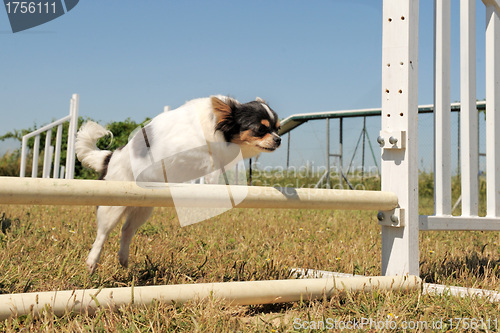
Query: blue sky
(128,59)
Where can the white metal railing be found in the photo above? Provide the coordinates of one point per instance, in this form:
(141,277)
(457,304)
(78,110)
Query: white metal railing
(469,141)
(53,153)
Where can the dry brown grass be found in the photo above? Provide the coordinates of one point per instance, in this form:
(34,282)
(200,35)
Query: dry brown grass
(44,248)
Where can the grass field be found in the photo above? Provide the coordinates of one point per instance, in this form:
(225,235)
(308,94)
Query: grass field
(44,248)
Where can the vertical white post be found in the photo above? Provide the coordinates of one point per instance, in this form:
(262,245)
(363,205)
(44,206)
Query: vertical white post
(469,115)
(24,153)
(328,153)
(442,108)
(51,157)
(399,116)
(57,156)
(341,152)
(493,108)
(47,157)
(288,151)
(73,124)
(36,147)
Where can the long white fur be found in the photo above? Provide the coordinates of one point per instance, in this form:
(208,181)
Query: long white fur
(85,145)
(119,167)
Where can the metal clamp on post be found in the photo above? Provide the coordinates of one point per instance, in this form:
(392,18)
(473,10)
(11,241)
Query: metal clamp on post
(393,218)
(392,140)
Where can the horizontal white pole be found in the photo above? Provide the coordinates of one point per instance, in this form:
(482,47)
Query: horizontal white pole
(39,191)
(439,289)
(427,288)
(234,293)
(47,127)
(464,223)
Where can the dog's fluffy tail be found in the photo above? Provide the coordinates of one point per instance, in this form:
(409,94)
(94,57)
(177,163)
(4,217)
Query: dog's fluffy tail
(85,146)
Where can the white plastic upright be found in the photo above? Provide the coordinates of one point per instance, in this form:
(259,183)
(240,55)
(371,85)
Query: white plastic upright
(469,139)
(442,108)
(493,106)
(400,115)
(73,125)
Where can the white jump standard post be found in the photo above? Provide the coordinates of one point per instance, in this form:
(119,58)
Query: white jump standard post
(398,136)
(493,106)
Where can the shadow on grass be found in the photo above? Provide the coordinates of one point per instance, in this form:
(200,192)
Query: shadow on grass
(175,271)
(473,267)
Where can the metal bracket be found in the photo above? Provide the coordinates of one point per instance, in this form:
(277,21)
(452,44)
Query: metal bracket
(393,218)
(392,140)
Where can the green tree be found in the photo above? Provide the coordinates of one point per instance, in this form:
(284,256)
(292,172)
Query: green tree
(10,163)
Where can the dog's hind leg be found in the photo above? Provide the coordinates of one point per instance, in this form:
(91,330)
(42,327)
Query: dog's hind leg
(137,216)
(107,218)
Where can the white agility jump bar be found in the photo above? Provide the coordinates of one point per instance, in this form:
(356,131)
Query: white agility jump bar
(40,191)
(234,293)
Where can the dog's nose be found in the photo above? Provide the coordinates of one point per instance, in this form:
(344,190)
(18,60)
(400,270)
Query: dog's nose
(277,140)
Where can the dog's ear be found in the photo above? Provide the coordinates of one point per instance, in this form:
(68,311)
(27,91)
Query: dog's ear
(222,110)
(224,117)
(258,99)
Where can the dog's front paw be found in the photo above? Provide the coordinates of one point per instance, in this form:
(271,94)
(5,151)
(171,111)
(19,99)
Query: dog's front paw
(92,262)
(123,260)
(91,266)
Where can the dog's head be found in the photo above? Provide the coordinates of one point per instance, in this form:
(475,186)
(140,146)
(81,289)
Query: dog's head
(252,124)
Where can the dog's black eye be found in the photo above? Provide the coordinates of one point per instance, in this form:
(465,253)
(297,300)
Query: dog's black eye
(262,130)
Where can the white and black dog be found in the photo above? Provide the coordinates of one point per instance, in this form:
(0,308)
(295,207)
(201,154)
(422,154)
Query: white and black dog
(181,135)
